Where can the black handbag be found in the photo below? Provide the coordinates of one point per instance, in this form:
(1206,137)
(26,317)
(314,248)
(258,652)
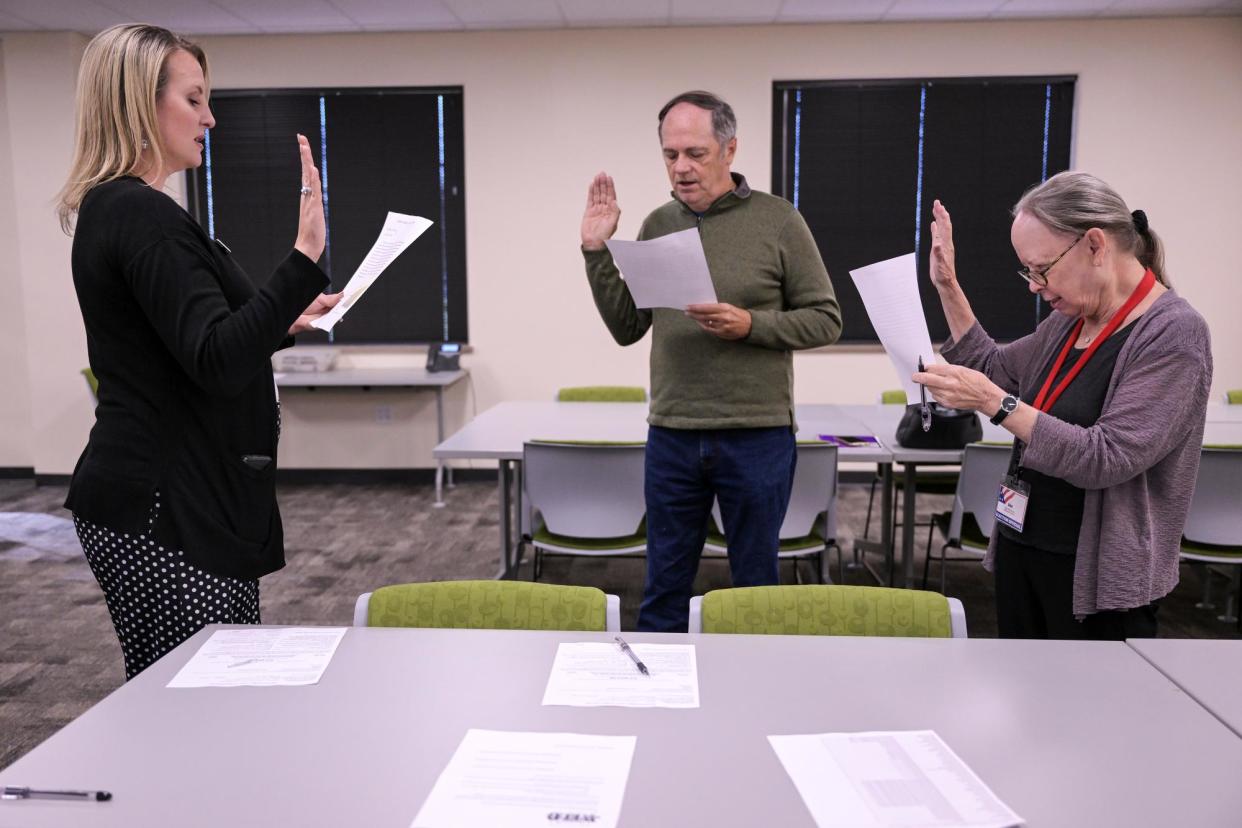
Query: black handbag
(951,428)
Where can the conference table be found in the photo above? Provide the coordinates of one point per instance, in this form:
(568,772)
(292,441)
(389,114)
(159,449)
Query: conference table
(1066,733)
(387,378)
(500,433)
(1210,670)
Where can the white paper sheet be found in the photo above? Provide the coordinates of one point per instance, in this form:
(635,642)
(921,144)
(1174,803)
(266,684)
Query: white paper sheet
(903,778)
(597,674)
(668,272)
(530,780)
(289,656)
(398,233)
(890,292)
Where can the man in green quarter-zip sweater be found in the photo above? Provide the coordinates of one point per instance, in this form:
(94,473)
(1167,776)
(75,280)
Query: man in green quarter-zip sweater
(721,421)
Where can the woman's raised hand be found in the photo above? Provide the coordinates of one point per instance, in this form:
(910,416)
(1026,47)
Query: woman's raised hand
(311,233)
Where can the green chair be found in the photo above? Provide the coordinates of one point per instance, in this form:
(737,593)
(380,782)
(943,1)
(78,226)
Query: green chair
(92,383)
(968,528)
(1212,536)
(585,498)
(828,610)
(489,605)
(810,525)
(1234,396)
(602,393)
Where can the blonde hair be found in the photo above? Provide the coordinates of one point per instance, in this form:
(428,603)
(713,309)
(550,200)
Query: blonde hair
(123,73)
(1074,202)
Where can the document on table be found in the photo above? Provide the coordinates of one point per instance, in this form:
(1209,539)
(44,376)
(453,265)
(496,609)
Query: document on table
(890,292)
(668,272)
(901,778)
(258,657)
(398,233)
(524,780)
(596,674)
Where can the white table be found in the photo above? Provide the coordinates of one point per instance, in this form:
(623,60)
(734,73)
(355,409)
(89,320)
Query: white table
(1067,733)
(368,378)
(500,433)
(1209,670)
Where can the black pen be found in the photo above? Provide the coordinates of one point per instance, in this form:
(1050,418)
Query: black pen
(925,412)
(30,793)
(625,648)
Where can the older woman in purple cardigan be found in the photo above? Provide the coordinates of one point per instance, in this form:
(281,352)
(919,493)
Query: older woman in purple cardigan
(1106,400)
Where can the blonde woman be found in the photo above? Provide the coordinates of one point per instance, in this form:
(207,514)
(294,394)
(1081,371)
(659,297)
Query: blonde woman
(1106,402)
(174,496)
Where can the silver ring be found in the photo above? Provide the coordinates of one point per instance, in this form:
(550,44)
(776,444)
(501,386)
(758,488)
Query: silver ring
(305,190)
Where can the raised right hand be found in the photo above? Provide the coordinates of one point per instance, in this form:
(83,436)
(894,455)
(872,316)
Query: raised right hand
(311,233)
(942,265)
(599,221)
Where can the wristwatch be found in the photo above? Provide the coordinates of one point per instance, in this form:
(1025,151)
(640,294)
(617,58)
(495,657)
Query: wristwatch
(1008,404)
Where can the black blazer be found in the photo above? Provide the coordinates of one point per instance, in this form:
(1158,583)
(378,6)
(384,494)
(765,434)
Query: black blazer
(181,343)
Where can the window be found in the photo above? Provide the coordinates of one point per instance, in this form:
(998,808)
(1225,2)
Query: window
(377,150)
(863,161)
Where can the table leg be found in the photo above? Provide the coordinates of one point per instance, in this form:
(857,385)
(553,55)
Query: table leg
(504,478)
(439,502)
(908,502)
(885,544)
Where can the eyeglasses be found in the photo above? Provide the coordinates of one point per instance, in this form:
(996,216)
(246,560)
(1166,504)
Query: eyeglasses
(1040,277)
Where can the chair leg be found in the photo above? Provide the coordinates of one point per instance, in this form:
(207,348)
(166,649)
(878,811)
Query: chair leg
(927,558)
(870,501)
(1230,616)
(1206,572)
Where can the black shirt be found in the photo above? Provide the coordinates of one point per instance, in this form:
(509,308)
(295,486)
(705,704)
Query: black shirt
(1054,511)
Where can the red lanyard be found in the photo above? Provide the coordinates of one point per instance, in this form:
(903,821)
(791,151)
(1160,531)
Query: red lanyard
(1139,294)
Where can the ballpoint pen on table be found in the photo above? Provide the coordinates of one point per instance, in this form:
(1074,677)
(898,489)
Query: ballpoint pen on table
(625,648)
(925,412)
(11,792)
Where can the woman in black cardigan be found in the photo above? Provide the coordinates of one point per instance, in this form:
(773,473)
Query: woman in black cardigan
(174,497)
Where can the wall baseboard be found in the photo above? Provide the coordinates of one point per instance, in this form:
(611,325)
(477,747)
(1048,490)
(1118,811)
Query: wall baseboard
(16,472)
(377,476)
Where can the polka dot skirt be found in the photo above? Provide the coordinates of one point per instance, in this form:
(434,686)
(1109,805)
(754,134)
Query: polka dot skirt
(155,597)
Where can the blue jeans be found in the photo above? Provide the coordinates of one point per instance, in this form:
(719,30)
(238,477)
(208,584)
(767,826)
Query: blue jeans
(750,471)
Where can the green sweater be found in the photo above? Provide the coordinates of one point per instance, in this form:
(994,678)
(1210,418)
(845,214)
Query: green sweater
(763,259)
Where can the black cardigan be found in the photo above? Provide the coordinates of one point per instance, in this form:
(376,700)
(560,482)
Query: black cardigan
(181,343)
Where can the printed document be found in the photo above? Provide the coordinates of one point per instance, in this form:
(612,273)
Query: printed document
(901,778)
(258,657)
(890,292)
(596,674)
(668,272)
(398,233)
(524,780)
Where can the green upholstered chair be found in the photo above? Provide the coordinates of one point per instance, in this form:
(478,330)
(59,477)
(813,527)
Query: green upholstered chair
(1234,396)
(1213,533)
(92,383)
(828,610)
(586,498)
(893,396)
(810,525)
(602,393)
(968,527)
(489,605)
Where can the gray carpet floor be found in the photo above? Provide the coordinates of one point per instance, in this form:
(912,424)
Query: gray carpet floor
(59,656)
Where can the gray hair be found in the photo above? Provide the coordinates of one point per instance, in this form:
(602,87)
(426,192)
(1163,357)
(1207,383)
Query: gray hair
(724,122)
(1074,202)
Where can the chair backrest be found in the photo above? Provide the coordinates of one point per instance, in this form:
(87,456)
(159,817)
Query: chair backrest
(602,393)
(586,490)
(489,605)
(1216,507)
(894,396)
(828,610)
(983,466)
(814,492)
(1234,396)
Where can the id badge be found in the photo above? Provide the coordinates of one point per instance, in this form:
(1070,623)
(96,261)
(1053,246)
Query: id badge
(1011,502)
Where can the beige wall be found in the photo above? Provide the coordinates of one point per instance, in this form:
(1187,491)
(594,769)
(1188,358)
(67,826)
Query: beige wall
(1159,109)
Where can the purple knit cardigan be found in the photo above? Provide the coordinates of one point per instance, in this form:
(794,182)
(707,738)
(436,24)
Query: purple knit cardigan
(1138,462)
